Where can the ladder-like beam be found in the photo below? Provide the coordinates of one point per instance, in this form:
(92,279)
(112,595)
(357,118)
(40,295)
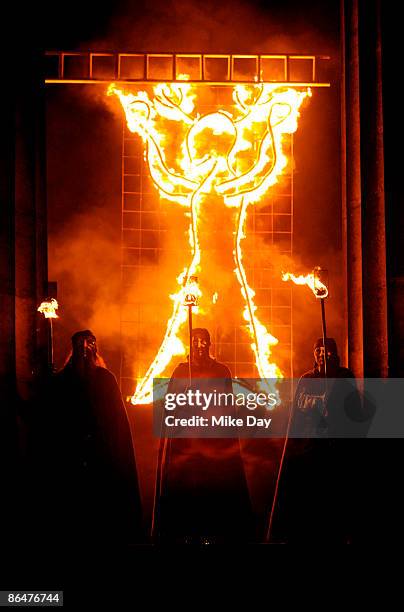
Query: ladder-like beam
(220,69)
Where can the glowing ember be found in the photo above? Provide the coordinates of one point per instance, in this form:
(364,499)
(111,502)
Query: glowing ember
(48,309)
(311,280)
(237,156)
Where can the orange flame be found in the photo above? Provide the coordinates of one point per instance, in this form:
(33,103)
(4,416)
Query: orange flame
(48,309)
(241,169)
(311,280)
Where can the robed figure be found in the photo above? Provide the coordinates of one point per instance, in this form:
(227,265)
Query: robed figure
(317,500)
(82,458)
(201,494)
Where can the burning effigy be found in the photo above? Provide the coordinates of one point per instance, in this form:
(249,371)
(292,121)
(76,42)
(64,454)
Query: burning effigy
(235,154)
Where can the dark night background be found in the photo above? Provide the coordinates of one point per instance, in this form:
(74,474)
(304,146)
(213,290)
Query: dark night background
(86,146)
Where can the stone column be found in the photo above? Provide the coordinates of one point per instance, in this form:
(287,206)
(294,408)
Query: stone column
(351,171)
(30,225)
(373,195)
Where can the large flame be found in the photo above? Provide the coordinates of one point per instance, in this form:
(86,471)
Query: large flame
(48,308)
(236,155)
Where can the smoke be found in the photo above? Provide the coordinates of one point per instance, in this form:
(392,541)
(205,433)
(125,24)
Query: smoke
(87,259)
(84,201)
(226,27)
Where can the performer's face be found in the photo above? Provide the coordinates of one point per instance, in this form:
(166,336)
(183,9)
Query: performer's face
(200,347)
(85,347)
(319,356)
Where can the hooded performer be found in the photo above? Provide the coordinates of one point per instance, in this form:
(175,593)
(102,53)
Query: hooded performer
(316,490)
(202,495)
(84,452)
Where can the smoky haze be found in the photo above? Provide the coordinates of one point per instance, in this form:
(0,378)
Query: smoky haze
(84,146)
(212,27)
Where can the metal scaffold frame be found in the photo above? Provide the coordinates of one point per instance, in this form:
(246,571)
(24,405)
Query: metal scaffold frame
(220,70)
(212,69)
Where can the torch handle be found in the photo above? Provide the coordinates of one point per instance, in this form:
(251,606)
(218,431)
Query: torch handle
(190,343)
(50,344)
(324,329)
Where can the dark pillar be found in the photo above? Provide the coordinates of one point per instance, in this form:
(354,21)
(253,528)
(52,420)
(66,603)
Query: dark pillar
(351,171)
(374,216)
(7,275)
(8,413)
(30,226)
(364,208)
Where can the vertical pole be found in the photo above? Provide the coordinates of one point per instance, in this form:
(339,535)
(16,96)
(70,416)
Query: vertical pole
(324,330)
(50,350)
(30,227)
(353,212)
(342,93)
(190,342)
(374,221)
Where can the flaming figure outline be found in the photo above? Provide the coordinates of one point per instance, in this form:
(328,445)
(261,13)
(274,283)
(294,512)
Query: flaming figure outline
(263,113)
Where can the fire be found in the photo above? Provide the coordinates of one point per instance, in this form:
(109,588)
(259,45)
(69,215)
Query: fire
(236,155)
(192,291)
(262,339)
(311,280)
(48,308)
(171,345)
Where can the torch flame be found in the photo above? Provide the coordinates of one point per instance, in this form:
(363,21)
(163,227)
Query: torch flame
(48,308)
(237,156)
(311,280)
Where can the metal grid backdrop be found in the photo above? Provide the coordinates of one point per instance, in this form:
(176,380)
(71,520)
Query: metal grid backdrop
(143,227)
(143,216)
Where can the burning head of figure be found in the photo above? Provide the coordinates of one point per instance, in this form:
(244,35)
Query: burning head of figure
(333,360)
(200,346)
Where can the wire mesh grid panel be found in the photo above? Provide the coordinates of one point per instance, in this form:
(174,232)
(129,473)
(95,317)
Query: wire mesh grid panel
(155,250)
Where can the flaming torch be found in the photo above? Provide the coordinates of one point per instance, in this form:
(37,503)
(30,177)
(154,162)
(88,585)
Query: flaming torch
(191,300)
(315,282)
(48,308)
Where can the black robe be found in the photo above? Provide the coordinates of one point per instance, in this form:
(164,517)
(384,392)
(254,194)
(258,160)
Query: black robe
(316,499)
(202,489)
(83,463)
